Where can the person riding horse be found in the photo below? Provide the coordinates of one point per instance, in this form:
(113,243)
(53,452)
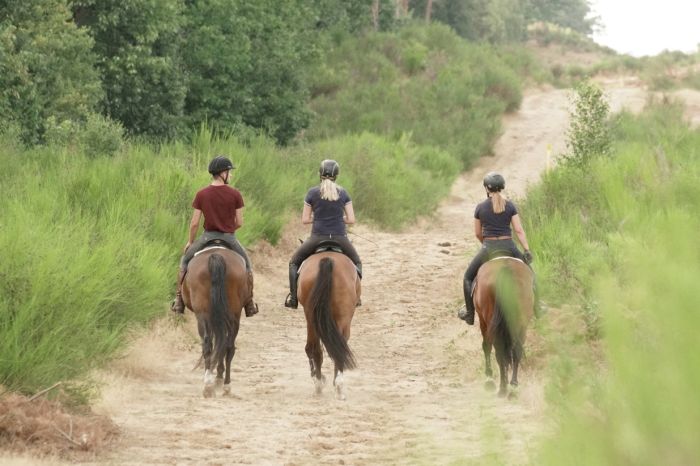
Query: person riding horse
(493,219)
(222,207)
(329,208)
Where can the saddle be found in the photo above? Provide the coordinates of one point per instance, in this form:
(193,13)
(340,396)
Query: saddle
(497,254)
(328,245)
(213,244)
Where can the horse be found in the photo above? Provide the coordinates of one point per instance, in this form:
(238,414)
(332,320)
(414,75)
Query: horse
(215,289)
(329,290)
(504,300)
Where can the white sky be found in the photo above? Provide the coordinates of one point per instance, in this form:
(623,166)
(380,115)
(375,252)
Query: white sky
(647,27)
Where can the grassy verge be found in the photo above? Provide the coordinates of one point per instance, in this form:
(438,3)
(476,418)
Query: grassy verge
(620,238)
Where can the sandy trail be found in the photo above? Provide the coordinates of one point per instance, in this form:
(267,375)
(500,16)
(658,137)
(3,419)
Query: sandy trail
(417,396)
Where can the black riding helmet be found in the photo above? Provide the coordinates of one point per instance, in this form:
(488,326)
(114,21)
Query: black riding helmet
(329,169)
(494,182)
(220,164)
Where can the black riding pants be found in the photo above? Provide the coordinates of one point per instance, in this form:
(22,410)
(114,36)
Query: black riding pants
(229,240)
(489,250)
(313,241)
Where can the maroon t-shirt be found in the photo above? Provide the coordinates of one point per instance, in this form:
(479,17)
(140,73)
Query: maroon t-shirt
(219,205)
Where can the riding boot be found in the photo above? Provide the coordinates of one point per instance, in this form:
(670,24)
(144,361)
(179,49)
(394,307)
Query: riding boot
(250,307)
(178,305)
(291,301)
(469,301)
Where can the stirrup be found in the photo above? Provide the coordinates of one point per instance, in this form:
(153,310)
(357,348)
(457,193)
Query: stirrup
(290,302)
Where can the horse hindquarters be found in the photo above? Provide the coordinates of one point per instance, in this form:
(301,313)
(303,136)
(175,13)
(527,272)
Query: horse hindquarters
(324,324)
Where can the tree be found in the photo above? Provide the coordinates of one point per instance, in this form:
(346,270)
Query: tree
(138,44)
(589,132)
(47,67)
(574,14)
(245,61)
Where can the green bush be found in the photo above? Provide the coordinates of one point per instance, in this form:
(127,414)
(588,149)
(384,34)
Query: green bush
(589,131)
(449,94)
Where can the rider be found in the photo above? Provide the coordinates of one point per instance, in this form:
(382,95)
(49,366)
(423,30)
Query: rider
(329,208)
(222,206)
(493,219)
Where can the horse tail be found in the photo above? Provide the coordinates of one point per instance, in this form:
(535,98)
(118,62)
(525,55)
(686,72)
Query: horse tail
(499,332)
(326,328)
(506,322)
(221,322)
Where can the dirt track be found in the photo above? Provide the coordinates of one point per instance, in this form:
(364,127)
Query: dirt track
(418,394)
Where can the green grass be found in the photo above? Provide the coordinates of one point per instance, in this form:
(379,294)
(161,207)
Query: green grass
(621,239)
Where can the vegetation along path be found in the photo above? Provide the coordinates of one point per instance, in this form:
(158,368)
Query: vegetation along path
(418,394)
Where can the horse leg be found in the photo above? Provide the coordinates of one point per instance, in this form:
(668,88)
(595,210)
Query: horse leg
(315,355)
(230,352)
(227,381)
(502,368)
(209,378)
(220,373)
(486,347)
(338,379)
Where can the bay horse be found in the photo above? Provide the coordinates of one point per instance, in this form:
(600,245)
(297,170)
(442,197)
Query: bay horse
(329,290)
(504,300)
(215,289)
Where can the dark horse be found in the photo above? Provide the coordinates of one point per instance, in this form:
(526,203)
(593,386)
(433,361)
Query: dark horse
(215,289)
(504,300)
(329,289)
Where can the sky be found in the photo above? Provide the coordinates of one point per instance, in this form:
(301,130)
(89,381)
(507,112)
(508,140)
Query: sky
(647,27)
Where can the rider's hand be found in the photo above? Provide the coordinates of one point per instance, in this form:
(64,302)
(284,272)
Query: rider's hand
(528,256)
(187,246)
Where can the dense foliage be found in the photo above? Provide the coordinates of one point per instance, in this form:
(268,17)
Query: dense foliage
(161,68)
(46,68)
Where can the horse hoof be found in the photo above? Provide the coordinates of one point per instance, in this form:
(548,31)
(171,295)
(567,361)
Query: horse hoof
(339,395)
(502,393)
(513,394)
(208,391)
(227,390)
(219,382)
(490,385)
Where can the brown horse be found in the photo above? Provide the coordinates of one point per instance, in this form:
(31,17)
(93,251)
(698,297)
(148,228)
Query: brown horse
(329,290)
(504,300)
(215,289)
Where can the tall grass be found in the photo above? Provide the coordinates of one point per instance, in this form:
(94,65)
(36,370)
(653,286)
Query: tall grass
(622,237)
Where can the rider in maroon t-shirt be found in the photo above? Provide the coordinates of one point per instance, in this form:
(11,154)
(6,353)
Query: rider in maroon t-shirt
(222,207)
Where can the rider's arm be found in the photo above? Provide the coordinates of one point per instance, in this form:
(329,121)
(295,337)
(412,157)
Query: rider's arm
(239,218)
(349,217)
(306,216)
(520,233)
(194,226)
(477,230)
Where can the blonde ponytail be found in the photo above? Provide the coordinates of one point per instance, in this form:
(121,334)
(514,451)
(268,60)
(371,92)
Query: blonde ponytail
(498,201)
(329,190)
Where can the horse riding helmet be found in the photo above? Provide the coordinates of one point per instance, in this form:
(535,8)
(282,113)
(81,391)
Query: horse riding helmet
(329,169)
(220,164)
(494,182)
